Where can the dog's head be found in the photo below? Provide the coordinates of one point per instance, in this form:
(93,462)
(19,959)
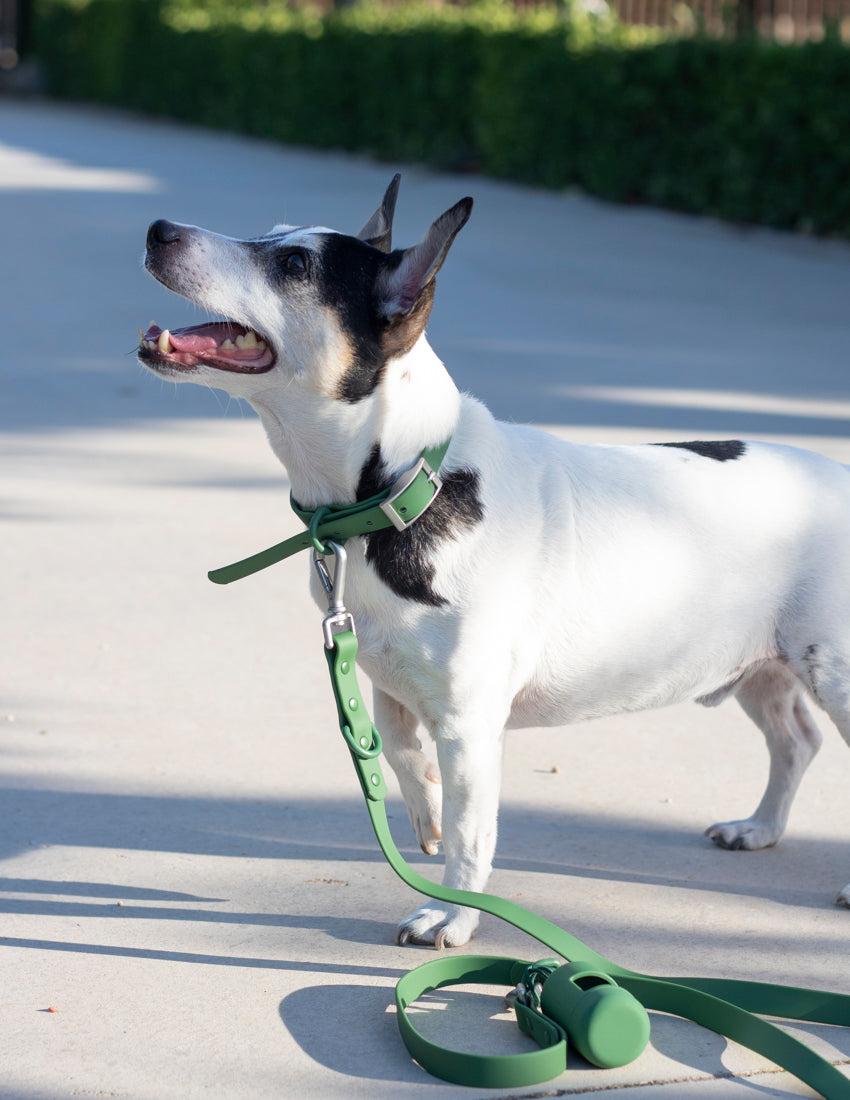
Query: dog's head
(301,305)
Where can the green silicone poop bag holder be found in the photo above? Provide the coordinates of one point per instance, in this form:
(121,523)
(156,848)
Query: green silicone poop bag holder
(579,998)
(606,1024)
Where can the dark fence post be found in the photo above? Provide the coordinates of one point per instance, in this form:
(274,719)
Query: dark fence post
(746,20)
(14,20)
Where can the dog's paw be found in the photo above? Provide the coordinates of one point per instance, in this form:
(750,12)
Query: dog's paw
(749,834)
(442,926)
(843,898)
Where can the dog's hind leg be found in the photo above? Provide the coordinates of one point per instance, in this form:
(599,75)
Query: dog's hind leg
(774,698)
(418,777)
(826,671)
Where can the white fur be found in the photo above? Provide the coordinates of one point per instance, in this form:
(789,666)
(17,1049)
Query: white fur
(602,579)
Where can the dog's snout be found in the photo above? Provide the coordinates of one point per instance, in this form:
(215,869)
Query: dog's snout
(163,232)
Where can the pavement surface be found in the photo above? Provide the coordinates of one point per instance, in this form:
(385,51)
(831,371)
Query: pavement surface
(191,900)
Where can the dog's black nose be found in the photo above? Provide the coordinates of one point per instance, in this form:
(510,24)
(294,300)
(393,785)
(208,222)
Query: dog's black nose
(163,232)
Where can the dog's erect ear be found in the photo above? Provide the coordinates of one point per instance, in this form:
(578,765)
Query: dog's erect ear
(403,287)
(378,230)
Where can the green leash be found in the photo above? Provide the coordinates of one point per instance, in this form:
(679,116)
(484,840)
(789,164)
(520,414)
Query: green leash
(608,1031)
(587,1000)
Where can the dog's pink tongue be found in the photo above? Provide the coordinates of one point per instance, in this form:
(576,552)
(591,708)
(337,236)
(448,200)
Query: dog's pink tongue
(193,342)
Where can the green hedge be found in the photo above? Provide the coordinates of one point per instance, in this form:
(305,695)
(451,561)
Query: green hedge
(743,130)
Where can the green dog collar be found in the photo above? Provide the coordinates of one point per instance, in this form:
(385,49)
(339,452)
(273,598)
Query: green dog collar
(398,506)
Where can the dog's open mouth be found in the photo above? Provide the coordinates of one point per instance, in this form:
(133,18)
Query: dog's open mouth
(225,345)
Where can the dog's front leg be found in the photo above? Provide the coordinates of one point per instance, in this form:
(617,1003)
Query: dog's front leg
(471,770)
(418,777)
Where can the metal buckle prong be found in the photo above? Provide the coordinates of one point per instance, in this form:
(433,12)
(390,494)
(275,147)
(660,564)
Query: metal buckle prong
(404,482)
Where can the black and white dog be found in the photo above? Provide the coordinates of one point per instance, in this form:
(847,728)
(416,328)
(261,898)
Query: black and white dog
(548,582)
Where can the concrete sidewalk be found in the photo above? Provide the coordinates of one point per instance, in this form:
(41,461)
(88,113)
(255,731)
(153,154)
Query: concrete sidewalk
(188,876)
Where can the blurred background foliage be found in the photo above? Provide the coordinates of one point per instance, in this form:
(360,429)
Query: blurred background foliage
(713,110)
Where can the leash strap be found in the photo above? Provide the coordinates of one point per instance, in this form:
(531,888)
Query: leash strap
(397,507)
(725,1006)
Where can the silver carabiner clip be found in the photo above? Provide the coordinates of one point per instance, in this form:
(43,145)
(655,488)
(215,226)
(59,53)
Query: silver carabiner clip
(333,583)
(338,618)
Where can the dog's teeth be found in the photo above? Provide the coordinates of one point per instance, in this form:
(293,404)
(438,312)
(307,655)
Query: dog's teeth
(261,345)
(228,345)
(246,341)
(164,342)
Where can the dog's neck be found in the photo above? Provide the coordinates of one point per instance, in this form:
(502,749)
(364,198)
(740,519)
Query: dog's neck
(325,445)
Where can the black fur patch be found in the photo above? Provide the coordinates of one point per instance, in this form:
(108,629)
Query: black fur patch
(348,271)
(344,275)
(722,450)
(341,273)
(401,558)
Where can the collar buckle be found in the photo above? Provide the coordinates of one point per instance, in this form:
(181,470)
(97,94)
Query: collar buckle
(396,507)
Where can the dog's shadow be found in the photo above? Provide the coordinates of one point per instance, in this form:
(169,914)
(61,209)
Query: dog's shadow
(606,847)
(592,846)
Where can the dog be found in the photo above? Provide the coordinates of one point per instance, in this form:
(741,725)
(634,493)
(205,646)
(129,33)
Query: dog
(548,582)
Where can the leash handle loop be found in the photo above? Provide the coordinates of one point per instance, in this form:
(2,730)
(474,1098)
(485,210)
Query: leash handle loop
(479,1070)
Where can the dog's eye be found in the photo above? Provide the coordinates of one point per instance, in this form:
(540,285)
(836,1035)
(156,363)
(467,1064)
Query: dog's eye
(295,263)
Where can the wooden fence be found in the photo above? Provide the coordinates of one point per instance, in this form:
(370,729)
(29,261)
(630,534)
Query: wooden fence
(785,21)
(782,20)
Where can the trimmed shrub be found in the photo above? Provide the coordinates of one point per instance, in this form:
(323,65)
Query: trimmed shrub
(742,130)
